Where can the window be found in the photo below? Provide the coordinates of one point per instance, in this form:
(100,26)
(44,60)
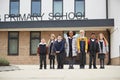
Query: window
(36,8)
(13,43)
(34,41)
(80,7)
(14,7)
(58,7)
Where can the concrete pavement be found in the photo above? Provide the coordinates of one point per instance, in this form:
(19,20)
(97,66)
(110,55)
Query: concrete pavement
(32,72)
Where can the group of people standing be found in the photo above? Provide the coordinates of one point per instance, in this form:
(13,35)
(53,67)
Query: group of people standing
(70,47)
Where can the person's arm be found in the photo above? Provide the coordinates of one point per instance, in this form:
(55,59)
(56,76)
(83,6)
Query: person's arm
(97,46)
(62,46)
(86,46)
(78,45)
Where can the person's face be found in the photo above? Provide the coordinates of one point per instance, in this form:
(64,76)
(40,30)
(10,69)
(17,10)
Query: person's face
(82,33)
(43,40)
(71,34)
(59,38)
(52,38)
(101,36)
(93,36)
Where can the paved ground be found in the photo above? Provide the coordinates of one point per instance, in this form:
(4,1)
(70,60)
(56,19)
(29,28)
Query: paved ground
(31,72)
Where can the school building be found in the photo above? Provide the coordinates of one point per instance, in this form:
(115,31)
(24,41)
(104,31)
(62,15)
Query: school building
(24,22)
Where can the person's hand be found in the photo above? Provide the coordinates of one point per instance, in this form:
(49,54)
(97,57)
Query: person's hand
(78,51)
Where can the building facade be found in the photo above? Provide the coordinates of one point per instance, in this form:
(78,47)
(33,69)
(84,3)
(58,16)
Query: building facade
(24,22)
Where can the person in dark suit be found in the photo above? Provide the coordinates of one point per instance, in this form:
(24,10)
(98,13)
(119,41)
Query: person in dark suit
(93,49)
(59,50)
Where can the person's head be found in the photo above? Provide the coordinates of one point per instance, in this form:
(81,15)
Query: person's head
(70,33)
(59,38)
(82,33)
(101,36)
(93,35)
(43,40)
(52,37)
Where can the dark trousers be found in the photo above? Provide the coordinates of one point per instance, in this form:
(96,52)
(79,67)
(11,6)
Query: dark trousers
(52,61)
(42,61)
(71,62)
(82,59)
(60,60)
(92,58)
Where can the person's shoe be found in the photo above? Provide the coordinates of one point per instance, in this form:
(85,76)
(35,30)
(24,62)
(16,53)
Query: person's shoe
(89,67)
(103,67)
(45,68)
(70,67)
(40,68)
(100,67)
(81,67)
(95,67)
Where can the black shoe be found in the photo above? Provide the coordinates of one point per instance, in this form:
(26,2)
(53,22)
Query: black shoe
(95,67)
(89,67)
(70,67)
(103,67)
(100,67)
(81,67)
(40,68)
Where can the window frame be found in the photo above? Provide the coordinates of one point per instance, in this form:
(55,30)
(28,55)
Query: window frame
(40,9)
(53,10)
(75,8)
(17,43)
(14,15)
(32,54)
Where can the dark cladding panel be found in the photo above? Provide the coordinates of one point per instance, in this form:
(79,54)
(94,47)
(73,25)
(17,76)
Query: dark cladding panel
(59,23)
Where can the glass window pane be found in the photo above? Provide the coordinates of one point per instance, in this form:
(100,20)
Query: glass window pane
(79,5)
(34,45)
(13,45)
(13,35)
(36,4)
(35,34)
(14,7)
(35,39)
(58,7)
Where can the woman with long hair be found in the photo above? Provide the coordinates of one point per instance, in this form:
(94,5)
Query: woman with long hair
(103,49)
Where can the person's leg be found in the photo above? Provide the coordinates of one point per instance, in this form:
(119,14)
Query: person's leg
(73,61)
(94,61)
(69,62)
(41,62)
(103,64)
(80,60)
(100,63)
(84,59)
(90,61)
(44,62)
(53,63)
(50,63)
(61,61)
(58,61)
